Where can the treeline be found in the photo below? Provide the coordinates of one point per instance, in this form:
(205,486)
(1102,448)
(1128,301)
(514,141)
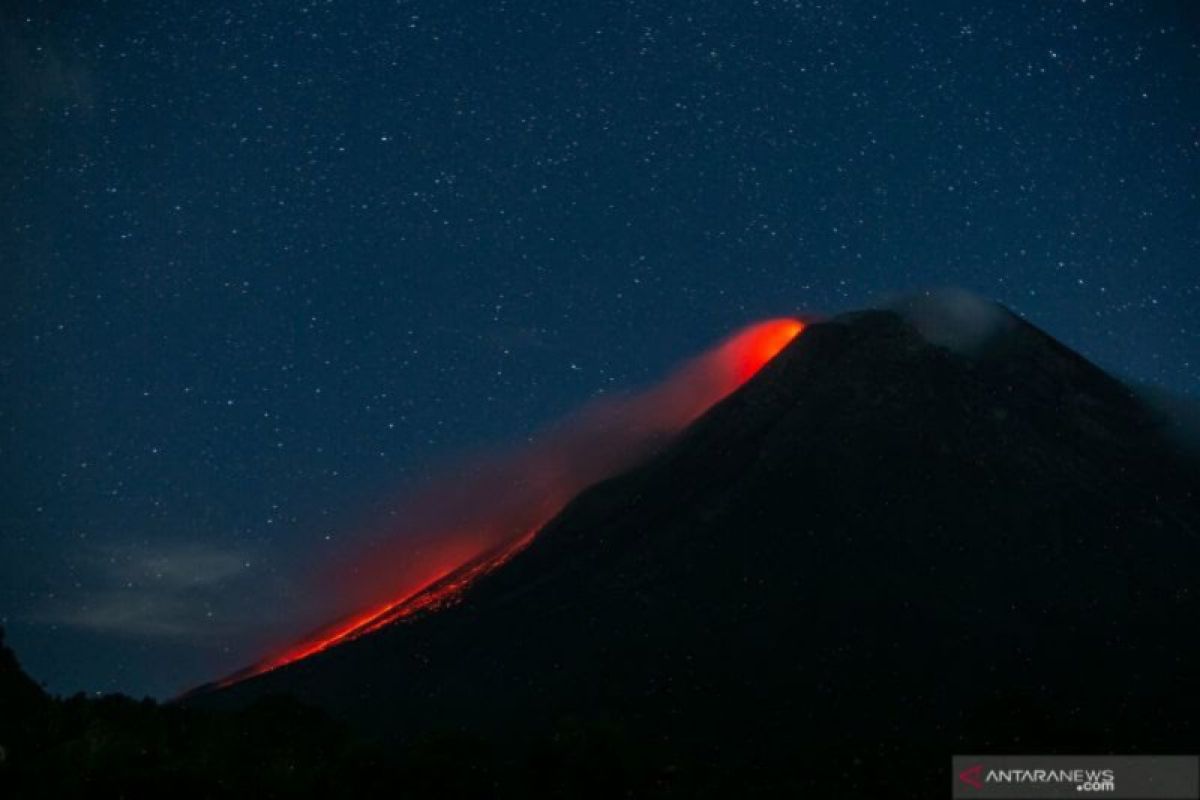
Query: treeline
(118,747)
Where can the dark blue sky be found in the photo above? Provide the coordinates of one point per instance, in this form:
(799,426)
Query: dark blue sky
(264,264)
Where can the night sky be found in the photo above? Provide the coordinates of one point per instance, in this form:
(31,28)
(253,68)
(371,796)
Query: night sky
(263,265)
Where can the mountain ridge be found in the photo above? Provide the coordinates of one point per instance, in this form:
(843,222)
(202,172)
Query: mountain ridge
(877,546)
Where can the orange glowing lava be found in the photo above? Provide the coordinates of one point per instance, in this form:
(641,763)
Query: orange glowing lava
(441,590)
(758,344)
(594,444)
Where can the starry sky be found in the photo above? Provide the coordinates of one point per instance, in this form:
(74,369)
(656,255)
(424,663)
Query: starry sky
(265,263)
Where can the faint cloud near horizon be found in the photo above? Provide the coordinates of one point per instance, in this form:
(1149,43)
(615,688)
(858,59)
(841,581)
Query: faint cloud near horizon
(177,590)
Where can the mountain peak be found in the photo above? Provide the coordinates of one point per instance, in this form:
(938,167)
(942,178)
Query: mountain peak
(883,547)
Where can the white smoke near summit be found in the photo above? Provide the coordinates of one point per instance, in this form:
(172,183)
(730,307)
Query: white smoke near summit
(956,319)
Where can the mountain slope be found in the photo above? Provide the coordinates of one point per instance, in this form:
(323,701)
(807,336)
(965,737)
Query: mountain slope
(877,553)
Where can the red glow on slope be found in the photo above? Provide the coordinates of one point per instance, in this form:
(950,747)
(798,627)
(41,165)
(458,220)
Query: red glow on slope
(441,590)
(759,344)
(479,517)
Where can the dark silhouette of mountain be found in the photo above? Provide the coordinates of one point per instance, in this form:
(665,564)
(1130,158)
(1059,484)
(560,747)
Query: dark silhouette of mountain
(906,537)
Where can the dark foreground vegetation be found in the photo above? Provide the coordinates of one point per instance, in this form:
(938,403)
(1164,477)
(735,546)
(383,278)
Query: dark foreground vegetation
(118,747)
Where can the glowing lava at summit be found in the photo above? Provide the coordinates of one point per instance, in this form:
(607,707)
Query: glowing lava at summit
(482,514)
(758,344)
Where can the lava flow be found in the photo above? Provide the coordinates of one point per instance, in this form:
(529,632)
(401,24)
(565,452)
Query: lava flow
(441,590)
(481,515)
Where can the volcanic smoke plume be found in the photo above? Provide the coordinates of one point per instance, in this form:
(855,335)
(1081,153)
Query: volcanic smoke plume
(468,522)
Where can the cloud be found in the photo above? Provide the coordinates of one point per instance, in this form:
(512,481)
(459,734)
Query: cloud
(173,590)
(140,613)
(191,566)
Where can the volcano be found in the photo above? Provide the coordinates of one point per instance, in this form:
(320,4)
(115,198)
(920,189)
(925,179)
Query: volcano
(912,533)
